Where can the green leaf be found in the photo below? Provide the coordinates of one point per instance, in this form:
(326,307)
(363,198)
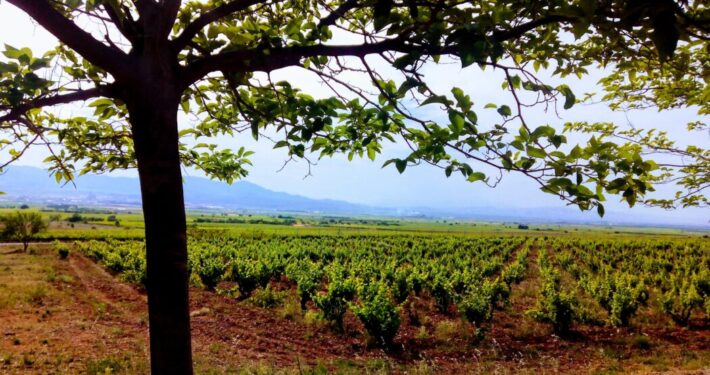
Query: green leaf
(185,132)
(255,130)
(448,170)
(534,152)
(382,11)
(438,99)
(580,28)
(600,209)
(371,153)
(616,184)
(407,85)
(505,111)
(405,61)
(557,140)
(471,51)
(401,165)
(185,105)
(570,99)
(101,102)
(280,144)
(457,121)
(24,54)
(543,131)
(476,176)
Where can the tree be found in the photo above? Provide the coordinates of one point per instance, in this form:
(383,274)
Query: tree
(22,226)
(148,59)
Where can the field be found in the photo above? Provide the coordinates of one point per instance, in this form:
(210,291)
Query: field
(294,294)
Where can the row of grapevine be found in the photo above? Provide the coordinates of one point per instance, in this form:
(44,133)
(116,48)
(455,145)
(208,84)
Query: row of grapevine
(374,277)
(370,276)
(623,275)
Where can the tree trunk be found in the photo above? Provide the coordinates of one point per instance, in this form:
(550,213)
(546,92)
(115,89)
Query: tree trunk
(153,116)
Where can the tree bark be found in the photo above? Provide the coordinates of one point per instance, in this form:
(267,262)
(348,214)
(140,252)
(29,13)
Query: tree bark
(153,116)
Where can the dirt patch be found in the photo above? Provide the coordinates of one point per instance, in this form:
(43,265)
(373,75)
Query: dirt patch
(72,316)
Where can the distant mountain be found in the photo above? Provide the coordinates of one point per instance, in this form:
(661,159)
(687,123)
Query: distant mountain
(31,184)
(34,185)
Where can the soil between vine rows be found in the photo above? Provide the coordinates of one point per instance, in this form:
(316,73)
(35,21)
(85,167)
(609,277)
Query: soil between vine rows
(72,316)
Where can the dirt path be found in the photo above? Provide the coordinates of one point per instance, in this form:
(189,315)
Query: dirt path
(104,288)
(54,320)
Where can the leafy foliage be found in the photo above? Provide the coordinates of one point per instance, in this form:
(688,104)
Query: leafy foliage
(364,273)
(620,294)
(554,305)
(22,226)
(377,313)
(248,274)
(334,301)
(688,293)
(209,266)
(654,52)
(62,249)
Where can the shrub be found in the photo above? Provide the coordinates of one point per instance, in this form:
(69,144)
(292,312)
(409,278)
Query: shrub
(75,218)
(554,306)
(476,308)
(308,276)
(620,294)
(446,330)
(686,295)
(291,310)
(209,266)
(641,342)
(248,274)
(417,279)
(401,285)
(267,297)
(442,292)
(377,313)
(514,273)
(334,302)
(135,267)
(478,304)
(62,249)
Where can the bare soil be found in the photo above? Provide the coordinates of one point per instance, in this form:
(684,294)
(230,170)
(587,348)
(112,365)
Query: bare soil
(71,316)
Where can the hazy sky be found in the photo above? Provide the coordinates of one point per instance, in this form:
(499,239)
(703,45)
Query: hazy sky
(363,181)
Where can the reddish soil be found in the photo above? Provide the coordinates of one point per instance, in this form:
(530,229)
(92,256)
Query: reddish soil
(94,315)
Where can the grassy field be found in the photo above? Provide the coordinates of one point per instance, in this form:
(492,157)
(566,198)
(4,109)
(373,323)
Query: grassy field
(105,223)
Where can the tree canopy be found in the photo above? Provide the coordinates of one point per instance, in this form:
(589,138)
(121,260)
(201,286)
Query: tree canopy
(22,226)
(656,51)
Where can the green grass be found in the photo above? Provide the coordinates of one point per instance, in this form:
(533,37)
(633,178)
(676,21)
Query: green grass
(97,226)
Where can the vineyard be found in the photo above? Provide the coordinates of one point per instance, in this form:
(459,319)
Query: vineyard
(377,284)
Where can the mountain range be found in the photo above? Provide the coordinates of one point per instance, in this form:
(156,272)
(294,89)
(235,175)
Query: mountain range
(30,184)
(35,185)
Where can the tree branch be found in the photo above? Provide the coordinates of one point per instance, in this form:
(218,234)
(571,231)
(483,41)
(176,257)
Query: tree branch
(123,21)
(18,111)
(272,59)
(268,60)
(518,31)
(339,12)
(205,19)
(170,9)
(110,59)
